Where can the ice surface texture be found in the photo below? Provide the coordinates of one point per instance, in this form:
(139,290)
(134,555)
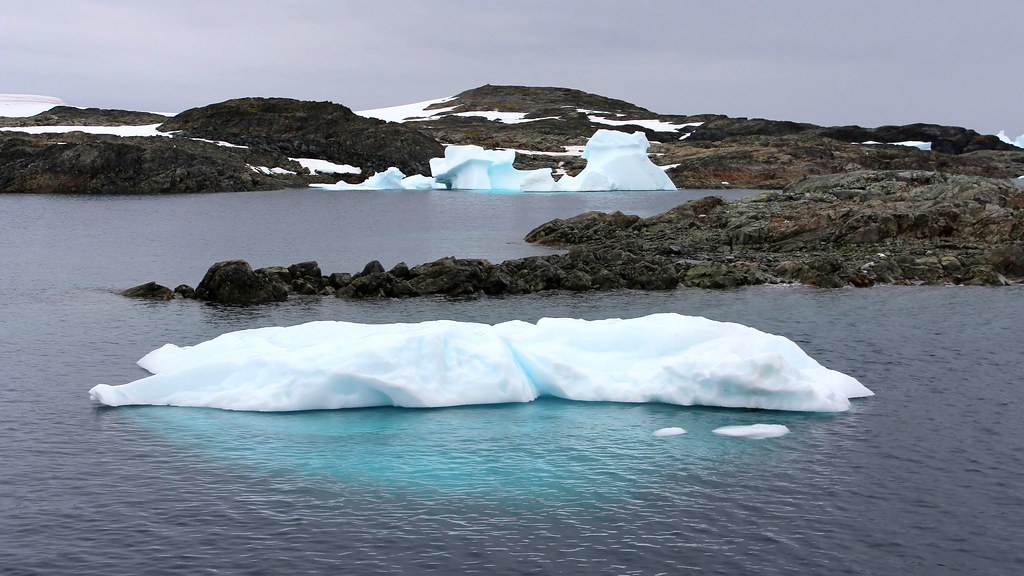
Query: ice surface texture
(753,431)
(665,358)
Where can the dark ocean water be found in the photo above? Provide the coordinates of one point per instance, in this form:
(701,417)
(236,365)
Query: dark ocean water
(923,478)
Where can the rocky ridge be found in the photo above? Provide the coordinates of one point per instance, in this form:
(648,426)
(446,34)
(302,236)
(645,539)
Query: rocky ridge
(78,163)
(858,229)
(706,150)
(261,135)
(71,116)
(321,130)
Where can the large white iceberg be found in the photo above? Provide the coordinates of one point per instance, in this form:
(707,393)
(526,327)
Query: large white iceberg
(664,358)
(615,161)
(474,168)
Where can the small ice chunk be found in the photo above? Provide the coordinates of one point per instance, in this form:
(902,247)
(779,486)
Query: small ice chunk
(753,431)
(672,431)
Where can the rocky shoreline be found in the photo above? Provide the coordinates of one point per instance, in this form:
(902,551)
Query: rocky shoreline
(857,229)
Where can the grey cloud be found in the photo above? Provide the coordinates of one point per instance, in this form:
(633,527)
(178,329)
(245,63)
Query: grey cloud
(869,62)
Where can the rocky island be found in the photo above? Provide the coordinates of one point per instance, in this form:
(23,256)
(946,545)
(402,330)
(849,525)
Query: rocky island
(856,229)
(844,205)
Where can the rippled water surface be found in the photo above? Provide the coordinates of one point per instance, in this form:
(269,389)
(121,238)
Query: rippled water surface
(921,479)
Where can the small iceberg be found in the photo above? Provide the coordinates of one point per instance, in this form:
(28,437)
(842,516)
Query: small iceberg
(666,432)
(753,431)
(664,358)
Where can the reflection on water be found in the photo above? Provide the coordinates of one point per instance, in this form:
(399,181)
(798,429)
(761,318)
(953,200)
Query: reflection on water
(539,451)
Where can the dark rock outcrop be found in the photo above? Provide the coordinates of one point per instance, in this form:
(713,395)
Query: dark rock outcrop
(149,291)
(70,116)
(234,282)
(77,163)
(857,229)
(849,229)
(324,130)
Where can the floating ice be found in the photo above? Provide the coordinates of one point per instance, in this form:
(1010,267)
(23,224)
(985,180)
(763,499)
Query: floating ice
(1018,142)
(315,165)
(390,179)
(615,161)
(474,168)
(753,431)
(664,358)
(673,431)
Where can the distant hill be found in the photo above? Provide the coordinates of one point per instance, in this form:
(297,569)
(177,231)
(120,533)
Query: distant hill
(321,130)
(253,143)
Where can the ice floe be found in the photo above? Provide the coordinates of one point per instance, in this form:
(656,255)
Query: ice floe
(753,431)
(671,431)
(314,165)
(666,358)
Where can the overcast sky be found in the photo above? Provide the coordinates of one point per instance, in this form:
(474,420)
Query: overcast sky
(868,62)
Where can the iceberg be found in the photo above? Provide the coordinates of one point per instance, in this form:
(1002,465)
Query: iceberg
(664,358)
(390,179)
(671,431)
(615,161)
(1018,141)
(471,167)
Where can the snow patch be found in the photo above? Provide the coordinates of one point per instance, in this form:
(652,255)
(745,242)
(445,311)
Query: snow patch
(144,130)
(219,143)
(408,112)
(314,165)
(926,146)
(25,105)
(503,117)
(753,431)
(655,125)
(269,171)
(665,358)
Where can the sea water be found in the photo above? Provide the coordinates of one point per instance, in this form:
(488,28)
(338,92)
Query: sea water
(920,479)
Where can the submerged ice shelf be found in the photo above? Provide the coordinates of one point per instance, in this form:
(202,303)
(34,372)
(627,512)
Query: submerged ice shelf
(665,358)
